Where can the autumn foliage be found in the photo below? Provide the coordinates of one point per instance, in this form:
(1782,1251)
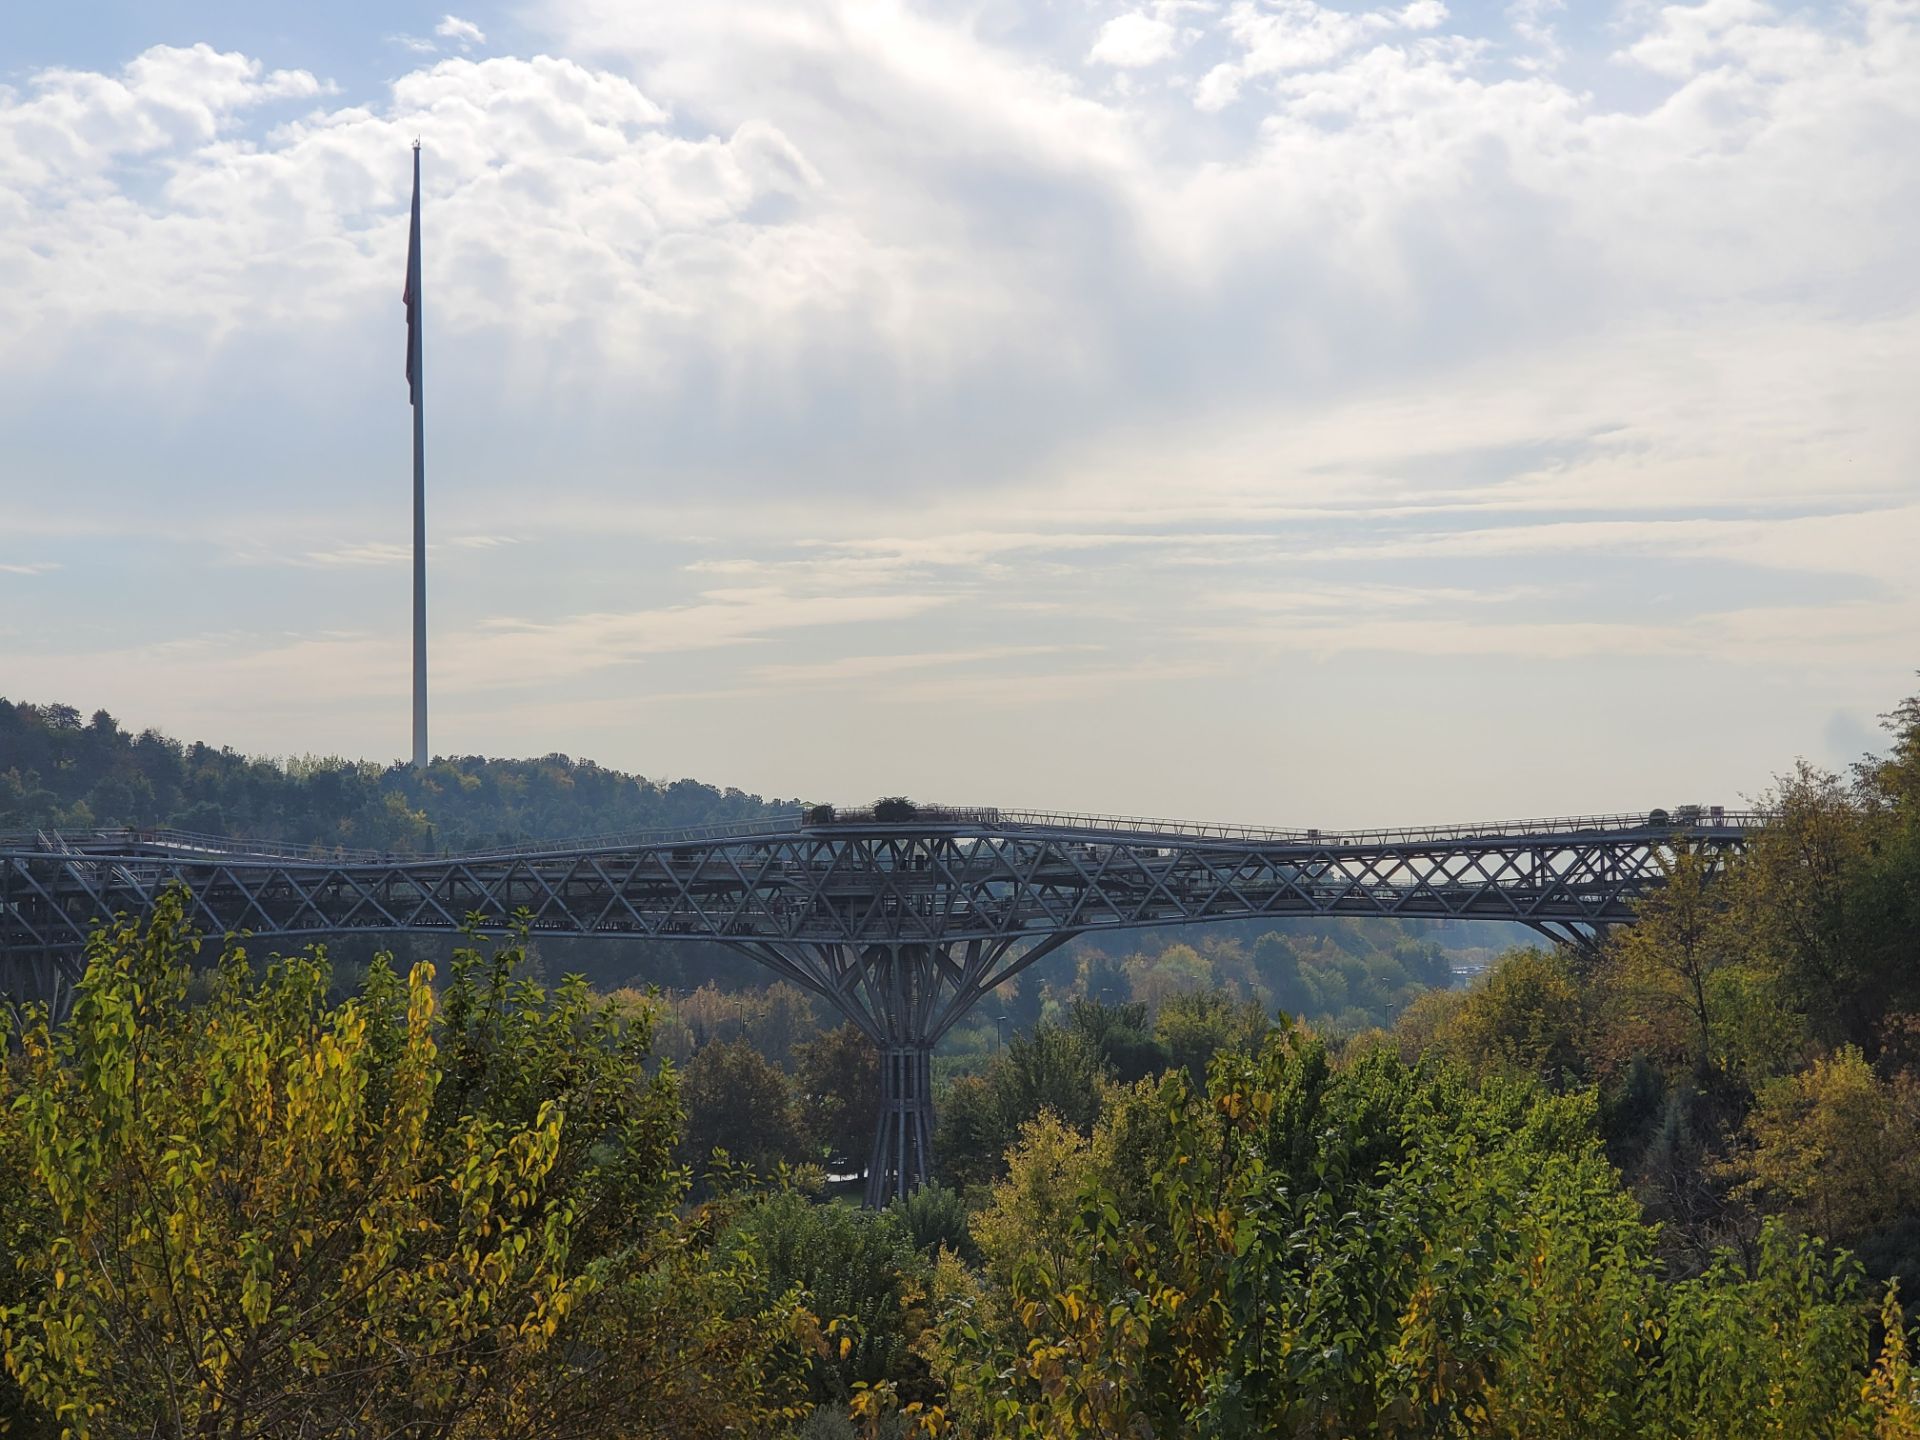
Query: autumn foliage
(267,1214)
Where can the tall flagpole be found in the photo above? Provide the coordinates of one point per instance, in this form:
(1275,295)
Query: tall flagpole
(416,348)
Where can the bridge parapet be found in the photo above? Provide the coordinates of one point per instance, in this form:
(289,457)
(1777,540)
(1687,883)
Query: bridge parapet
(141,841)
(1715,821)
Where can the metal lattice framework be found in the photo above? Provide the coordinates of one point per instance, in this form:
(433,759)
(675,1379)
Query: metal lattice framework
(901,926)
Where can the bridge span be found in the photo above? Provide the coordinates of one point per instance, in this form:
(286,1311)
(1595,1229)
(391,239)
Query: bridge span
(900,918)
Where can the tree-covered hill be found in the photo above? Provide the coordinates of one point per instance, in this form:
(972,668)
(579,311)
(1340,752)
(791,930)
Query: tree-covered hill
(58,771)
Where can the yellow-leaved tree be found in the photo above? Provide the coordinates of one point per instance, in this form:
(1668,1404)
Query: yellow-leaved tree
(1029,1215)
(1835,1148)
(270,1214)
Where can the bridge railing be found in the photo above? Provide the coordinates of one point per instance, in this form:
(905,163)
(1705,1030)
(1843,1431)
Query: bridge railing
(123,840)
(132,839)
(783,824)
(1707,819)
(176,843)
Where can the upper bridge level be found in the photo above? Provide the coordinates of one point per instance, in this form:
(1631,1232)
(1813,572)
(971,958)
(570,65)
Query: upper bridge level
(902,876)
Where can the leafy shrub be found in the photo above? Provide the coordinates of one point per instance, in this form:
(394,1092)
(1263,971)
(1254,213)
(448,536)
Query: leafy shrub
(935,1217)
(269,1213)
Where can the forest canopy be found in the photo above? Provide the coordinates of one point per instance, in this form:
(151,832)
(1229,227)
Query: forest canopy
(59,771)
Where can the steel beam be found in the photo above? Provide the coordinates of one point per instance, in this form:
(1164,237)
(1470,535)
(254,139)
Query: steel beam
(899,927)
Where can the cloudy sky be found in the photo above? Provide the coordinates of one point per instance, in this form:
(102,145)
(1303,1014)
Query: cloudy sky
(1243,409)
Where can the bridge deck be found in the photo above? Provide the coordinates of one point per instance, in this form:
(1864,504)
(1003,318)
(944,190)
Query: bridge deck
(941,877)
(142,842)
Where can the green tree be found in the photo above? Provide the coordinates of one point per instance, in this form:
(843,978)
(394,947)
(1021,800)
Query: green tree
(969,1132)
(739,1102)
(100,773)
(1366,1249)
(837,1077)
(1051,1068)
(1174,970)
(1278,964)
(936,1219)
(1196,1025)
(1130,1142)
(1029,1218)
(1777,1351)
(1797,905)
(1523,1016)
(1681,939)
(22,1224)
(1120,1036)
(860,1273)
(1892,1391)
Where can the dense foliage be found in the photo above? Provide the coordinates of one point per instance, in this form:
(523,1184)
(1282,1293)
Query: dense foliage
(409,1214)
(58,771)
(1381,1250)
(1341,974)
(1753,1039)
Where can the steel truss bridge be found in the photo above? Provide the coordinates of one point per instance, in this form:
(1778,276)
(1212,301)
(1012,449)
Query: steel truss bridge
(900,925)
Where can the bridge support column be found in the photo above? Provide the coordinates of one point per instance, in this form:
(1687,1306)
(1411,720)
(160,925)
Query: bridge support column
(903,986)
(1583,939)
(903,995)
(902,1158)
(40,977)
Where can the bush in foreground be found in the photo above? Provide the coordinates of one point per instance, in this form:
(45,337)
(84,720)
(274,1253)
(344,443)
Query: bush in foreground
(408,1214)
(1376,1249)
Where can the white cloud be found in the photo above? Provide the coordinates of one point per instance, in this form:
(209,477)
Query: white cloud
(503,652)
(1293,35)
(353,555)
(379,552)
(561,199)
(464,32)
(1134,40)
(837,673)
(1321,599)
(521,651)
(1684,37)
(1396,186)
(31,567)
(1423,15)
(1845,638)
(1534,33)
(71,124)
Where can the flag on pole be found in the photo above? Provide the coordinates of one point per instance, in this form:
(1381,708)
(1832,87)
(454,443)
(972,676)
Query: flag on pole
(416,342)
(410,296)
